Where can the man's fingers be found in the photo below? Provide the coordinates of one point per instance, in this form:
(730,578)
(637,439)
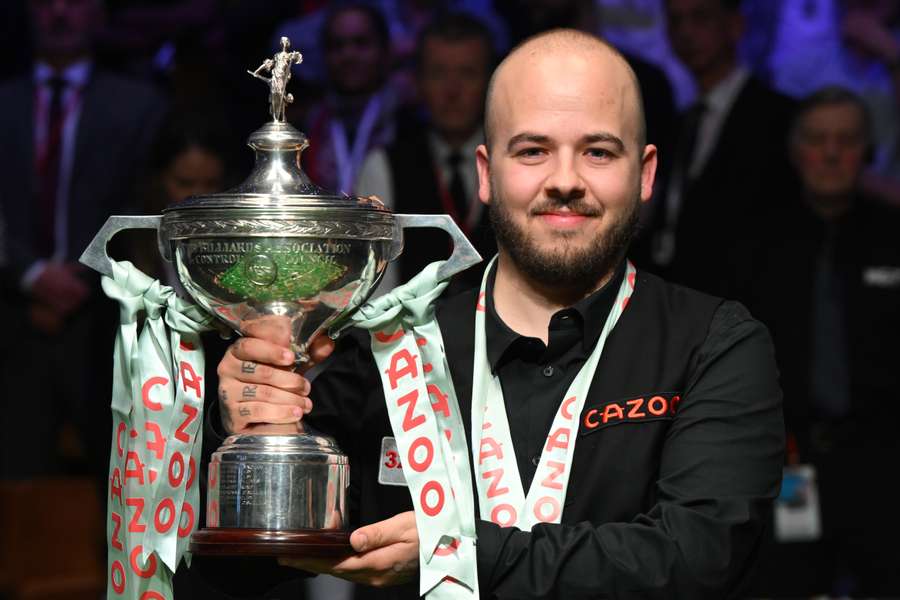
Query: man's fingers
(248,413)
(272,328)
(252,372)
(372,568)
(235,393)
(396,529)
(321,348)
(261,351)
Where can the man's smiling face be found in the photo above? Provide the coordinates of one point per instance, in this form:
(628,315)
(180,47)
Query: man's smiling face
(566,168)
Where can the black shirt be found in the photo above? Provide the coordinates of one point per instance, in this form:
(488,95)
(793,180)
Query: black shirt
(534,376)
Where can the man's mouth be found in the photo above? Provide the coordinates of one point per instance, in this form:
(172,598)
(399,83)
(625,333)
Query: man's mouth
(563,218)
(566,215)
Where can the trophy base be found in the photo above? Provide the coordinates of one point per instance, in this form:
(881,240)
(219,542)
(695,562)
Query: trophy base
(309,543)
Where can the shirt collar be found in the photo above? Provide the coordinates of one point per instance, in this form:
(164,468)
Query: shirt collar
(75,75)
(723,94)
(592,312)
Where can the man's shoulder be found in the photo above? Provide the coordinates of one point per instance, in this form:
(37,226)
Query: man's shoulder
(692,308)
(16,98)
(676,297)
(877,214)
(759,97)
(411,141)
(15,86)
(123,90)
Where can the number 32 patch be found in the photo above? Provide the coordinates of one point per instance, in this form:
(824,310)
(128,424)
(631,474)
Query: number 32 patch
(390,470)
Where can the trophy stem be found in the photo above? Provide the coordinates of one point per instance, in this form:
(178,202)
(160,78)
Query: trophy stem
(302,358)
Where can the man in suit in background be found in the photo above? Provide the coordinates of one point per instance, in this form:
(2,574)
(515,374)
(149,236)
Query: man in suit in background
(825,277)
(730,158)
(73,138)
(430,167)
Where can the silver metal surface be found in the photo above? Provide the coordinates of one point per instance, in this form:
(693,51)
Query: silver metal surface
(278,253)
(95,255)
(279,482)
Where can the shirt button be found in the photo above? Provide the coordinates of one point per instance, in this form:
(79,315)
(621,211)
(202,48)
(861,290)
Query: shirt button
(548,371)
(535,460)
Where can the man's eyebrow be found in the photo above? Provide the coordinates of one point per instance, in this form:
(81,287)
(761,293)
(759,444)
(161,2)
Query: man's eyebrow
(526,136)
(593,138)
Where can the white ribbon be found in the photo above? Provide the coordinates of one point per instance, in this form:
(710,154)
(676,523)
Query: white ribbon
(157,406)
(425,418)
(349,161)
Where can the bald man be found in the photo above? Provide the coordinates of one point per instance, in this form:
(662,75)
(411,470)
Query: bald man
(678,449)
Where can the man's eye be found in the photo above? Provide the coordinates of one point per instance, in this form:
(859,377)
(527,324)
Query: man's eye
(600,153)
(530,152)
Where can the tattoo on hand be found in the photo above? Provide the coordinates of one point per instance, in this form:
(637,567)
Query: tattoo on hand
(248,367)
(249,391)
(222,395)
(244,412)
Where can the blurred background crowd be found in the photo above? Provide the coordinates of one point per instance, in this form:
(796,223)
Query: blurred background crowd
(778,128)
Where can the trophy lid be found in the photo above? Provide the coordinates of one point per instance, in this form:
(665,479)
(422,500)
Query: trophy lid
(277,180)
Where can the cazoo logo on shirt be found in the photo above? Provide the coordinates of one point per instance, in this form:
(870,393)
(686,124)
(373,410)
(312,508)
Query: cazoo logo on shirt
(649,407)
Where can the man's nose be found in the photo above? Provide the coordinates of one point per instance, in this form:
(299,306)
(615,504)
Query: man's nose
(564,181)
(833,147)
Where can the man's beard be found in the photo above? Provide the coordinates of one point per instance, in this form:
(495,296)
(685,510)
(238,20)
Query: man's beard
(564,265)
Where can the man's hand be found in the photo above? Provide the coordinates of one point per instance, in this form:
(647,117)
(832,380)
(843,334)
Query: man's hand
(259,392)
(60,288)
(387,554)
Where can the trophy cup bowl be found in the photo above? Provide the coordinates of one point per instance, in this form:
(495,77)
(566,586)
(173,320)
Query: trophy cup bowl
(279,250)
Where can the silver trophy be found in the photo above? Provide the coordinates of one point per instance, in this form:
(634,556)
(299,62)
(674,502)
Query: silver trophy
(278,251)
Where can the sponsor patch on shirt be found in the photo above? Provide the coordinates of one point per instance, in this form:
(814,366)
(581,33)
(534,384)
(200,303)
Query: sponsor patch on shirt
(390,470)
(649,407)
(881,276)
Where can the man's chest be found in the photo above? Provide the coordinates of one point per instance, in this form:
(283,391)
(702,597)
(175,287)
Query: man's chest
(616,441)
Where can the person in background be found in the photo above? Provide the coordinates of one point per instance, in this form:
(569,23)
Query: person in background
(854,44)
(825,277)
(73,138)
(357,113)
(638,27)
(730,158)
(190,156)
(429,167)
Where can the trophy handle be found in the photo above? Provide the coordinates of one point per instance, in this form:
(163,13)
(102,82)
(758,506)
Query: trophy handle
(464,253)
(95,256)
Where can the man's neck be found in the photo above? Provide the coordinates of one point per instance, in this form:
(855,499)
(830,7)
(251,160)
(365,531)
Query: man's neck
(831,208)
(526,305)
(715,75)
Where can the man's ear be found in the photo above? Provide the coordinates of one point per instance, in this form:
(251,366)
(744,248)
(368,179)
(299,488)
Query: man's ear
(648,172)
(483,163)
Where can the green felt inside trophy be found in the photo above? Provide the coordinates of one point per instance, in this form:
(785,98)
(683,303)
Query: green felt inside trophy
(281,273)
